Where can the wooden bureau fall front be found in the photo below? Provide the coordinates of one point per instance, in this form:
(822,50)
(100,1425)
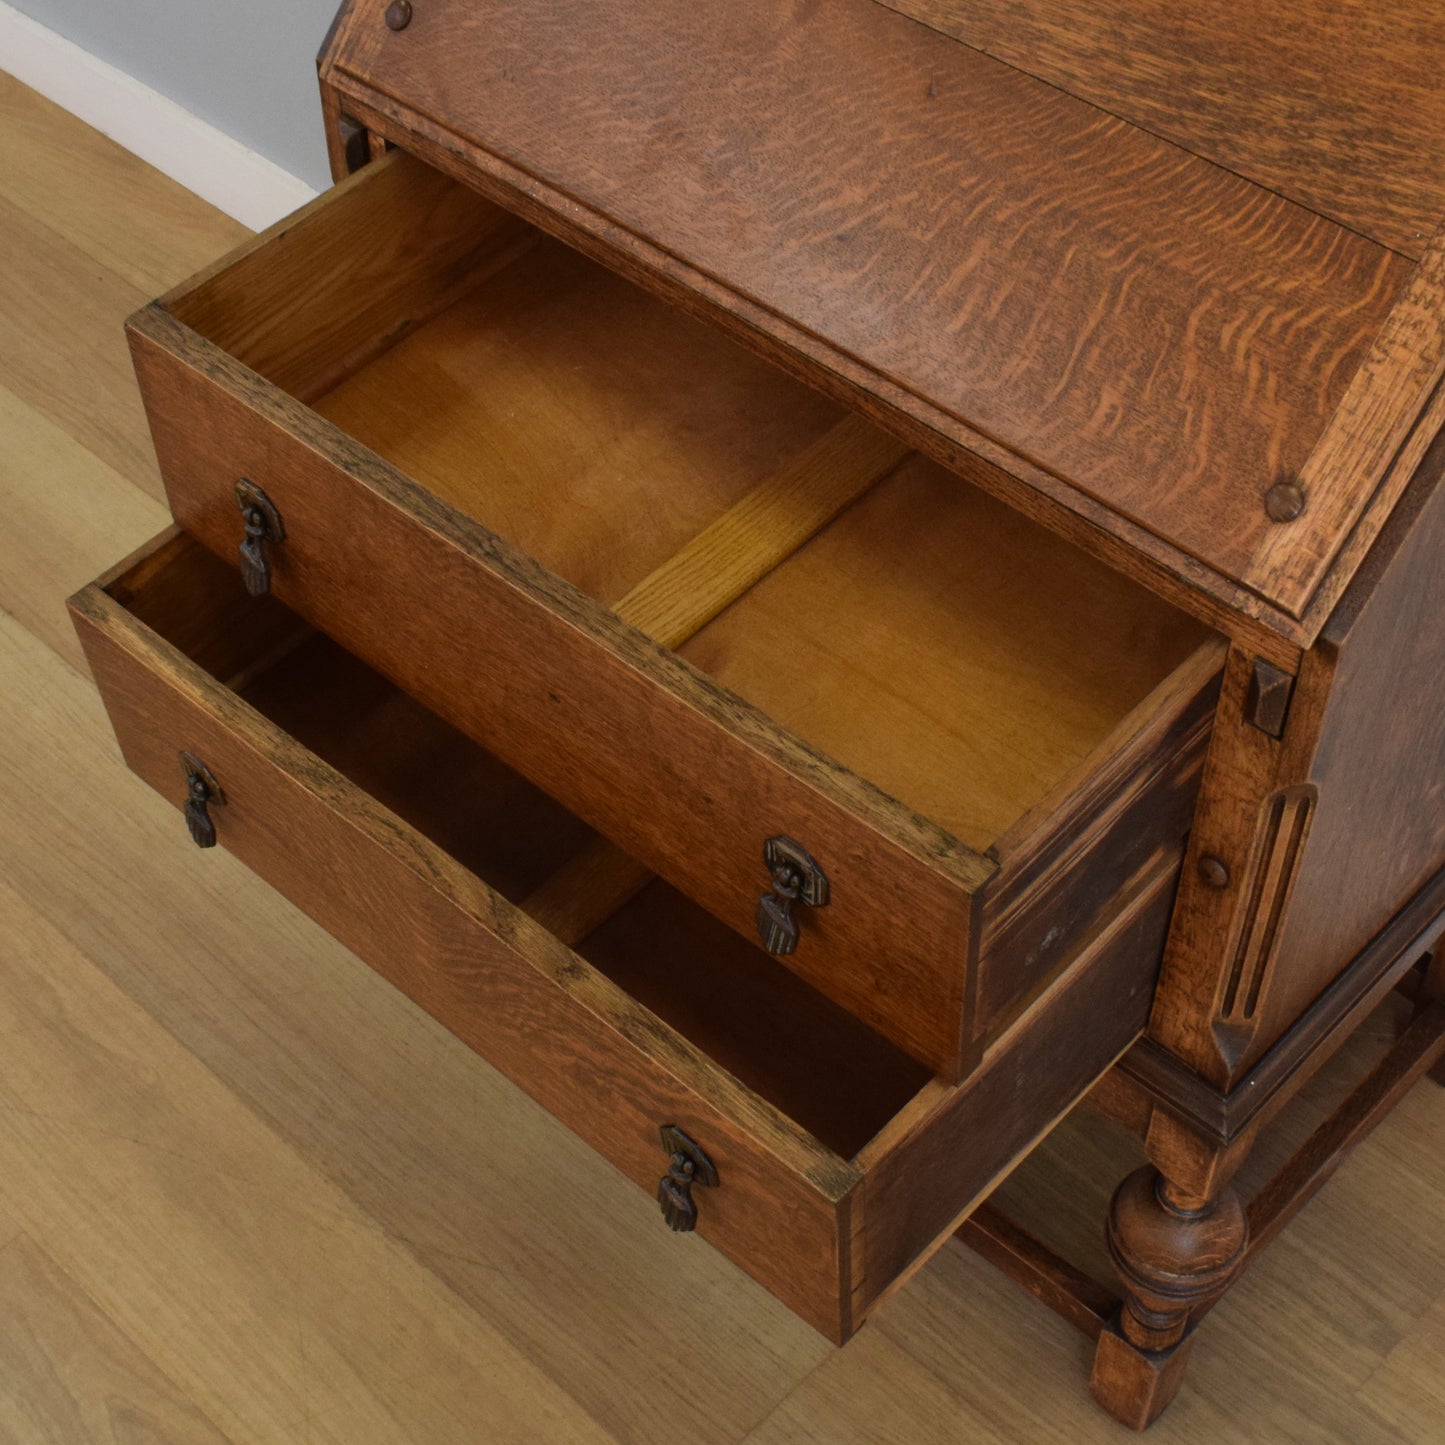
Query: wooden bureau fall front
(822,582)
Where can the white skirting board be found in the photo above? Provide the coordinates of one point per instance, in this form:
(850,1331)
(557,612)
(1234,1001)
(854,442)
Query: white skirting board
(205,160)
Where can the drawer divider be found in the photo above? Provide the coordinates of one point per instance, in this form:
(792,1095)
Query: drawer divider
(764,529)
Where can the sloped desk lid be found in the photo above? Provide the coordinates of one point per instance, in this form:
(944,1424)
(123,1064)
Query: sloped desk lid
(1140,342)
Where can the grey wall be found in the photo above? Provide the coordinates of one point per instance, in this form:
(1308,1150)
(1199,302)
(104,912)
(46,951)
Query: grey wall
(246,66)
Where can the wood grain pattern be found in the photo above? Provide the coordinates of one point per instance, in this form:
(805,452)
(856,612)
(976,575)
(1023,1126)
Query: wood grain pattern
(586,422)
(948,651)
(1063,866)
(625,746)
(59,534)
(1030,1078)
(1083,626)
(730,556)
(483,968)
(585,892)
(1004,688)
(501,983)
(1149,1075)
(1033,273)
(1088,524)
(138,224)
(1365,457)
(1420,1046)
(1069,1292)
(1379,828)
(989,668)
(1242,768)
(61,318)
(1357,731)
(70,1375)
(216,1252)
(173,1115)
(223,1146)
(320,293)
(839,1080)
(1336,106)
(403,756)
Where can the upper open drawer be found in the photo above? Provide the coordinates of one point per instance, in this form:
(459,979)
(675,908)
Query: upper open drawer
(689,598)
(1130,342)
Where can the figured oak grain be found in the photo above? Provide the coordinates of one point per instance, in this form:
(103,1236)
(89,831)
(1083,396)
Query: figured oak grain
(1355,475)
(354,1116)
(953,658)
(619,1045)
(1145,328)
(1336,105)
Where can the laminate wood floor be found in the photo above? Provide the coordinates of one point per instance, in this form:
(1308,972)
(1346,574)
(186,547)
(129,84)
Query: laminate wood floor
(249,1194)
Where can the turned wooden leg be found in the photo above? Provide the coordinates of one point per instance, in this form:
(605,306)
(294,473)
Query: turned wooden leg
(1174,1252)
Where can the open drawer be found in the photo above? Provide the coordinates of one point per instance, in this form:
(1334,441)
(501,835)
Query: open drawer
(622,1007)
(686,597)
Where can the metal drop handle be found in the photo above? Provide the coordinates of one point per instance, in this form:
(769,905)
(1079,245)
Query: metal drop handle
(263,524)
(202,790)
(687,1166)
(797,878)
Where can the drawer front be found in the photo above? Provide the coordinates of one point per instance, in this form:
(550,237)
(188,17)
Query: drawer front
(589,1054)
(681,773)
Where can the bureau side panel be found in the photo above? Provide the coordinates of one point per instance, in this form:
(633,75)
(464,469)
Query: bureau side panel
(1304,846)
(1378,827)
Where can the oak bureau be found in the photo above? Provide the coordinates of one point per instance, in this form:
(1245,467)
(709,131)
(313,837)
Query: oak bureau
(820,582)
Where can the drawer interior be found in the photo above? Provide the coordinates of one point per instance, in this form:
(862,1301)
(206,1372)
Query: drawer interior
(830,1073)
(932,640)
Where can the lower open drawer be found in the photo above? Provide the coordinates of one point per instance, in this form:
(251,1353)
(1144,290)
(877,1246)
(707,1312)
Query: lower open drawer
(624,1009)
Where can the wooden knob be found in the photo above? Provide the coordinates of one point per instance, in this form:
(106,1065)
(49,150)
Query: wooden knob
(1214,871)
(1284,502)
(398,14)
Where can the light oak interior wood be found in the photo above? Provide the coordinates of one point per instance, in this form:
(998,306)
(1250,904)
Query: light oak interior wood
(934,641)
(806,1055)
(948,650)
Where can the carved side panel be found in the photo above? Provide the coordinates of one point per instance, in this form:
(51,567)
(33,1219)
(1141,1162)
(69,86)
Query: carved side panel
(1304,846)
(1378,833)
(1284,828)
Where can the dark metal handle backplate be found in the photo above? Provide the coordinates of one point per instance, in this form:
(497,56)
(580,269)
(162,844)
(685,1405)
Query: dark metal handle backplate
(797,878)
(687,1166)
(202,790)
(263,525)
